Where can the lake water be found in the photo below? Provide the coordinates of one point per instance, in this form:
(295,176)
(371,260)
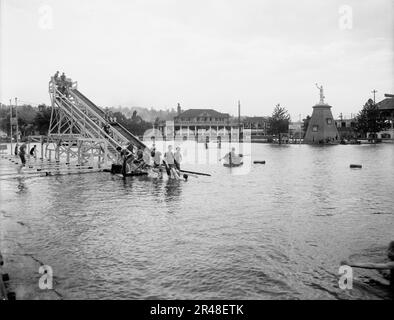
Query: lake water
(273,231)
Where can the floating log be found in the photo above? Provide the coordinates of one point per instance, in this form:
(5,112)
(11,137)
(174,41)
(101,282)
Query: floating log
(358,166)
(259,162)
(197,173)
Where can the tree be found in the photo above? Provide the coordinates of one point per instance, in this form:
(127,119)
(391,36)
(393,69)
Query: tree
(279,122)
(306,123)
(42,119)
(370,120)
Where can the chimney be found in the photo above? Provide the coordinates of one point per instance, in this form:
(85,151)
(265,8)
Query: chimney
(179,110)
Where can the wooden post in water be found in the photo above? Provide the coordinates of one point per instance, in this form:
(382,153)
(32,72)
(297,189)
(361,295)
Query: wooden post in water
(57,151)
(99,158)
(68,152)
(92,157)
(12,151)
(28,147)
(42,147)
(79,152)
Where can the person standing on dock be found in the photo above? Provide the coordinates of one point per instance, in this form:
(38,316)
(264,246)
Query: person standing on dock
(16,149)
(22,154)
(178,158)
(33,152)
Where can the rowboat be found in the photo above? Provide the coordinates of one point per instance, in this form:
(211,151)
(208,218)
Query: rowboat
(232,165)
(233,161)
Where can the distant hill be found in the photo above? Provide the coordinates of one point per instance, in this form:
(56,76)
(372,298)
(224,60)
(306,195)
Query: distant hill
(148,115)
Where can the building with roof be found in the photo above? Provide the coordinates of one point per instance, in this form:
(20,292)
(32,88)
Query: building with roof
(386,108)
(200,124)
(346,128)
(258,126)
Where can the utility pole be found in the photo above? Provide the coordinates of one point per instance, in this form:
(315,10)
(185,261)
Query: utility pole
(239,120)
(16,116)
(374,92)
(11,125)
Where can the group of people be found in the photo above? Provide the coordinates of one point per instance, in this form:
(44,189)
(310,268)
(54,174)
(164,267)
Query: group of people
(61,82)
(144,159)
(21,152)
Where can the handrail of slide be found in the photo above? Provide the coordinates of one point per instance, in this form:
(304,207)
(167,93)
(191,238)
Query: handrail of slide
(126,133)
(92,124)
(88,102)
(130,136)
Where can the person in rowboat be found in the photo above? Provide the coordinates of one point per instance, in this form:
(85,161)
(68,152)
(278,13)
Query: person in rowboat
(231,157)
(378,266)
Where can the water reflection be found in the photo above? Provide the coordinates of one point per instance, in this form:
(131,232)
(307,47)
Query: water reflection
(22,188)
(173,190)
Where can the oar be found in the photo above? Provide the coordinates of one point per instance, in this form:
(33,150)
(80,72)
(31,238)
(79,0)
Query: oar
(197,173)
(168,170)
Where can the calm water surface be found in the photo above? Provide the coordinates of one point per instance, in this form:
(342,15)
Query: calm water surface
(276,232)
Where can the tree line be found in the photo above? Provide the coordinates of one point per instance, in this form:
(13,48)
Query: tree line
(36,120)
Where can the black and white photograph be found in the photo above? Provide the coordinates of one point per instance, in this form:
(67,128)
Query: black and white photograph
(211,151)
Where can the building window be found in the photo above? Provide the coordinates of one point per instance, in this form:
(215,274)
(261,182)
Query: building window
(315,128)
(329,121)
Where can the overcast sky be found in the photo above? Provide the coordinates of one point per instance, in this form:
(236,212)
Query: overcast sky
(203,54)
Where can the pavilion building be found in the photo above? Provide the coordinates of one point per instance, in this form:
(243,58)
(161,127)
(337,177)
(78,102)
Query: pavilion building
(386,108)
(201,125)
